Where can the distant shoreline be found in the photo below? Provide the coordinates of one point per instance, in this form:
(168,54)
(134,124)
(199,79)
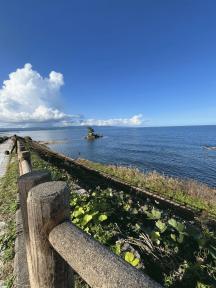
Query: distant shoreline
(178,152)
(13,129)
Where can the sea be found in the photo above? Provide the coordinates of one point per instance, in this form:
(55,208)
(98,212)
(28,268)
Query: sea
(175,151)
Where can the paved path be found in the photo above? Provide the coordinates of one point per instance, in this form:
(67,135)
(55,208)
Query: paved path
(4,159)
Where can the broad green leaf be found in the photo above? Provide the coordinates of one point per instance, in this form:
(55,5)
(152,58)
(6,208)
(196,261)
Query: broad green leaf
(172,222)
(144,208)
(73,202)
(135,262)
(134,211)
(76,220)
(78,211)
(180,238)
(161,226)
(102,217)
(86,219)
(137,227)
(173,237)
(126,207)
(117,249)
(155,235)
(180,227)
(129,257)
(154,214)
(86,229)
(177,225)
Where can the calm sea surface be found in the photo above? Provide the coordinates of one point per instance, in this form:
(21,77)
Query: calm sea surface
(175,151)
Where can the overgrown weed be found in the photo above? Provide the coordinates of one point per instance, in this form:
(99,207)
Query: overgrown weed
(184,191)
(8,206)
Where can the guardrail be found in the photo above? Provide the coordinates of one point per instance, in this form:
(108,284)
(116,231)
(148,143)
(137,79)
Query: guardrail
(54,247)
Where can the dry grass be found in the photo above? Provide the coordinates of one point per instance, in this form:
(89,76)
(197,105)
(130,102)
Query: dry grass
(187,192)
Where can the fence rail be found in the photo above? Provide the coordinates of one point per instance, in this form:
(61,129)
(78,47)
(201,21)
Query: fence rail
(97,265)
(23,158)
(53,247)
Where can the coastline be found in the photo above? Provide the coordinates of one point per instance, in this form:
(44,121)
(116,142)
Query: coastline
(128,218)
(177,152)
(186,193)
(125,221)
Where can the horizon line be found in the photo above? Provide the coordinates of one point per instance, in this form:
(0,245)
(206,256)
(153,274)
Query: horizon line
(104,126)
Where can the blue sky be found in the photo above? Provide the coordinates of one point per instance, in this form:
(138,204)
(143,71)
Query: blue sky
(117,58)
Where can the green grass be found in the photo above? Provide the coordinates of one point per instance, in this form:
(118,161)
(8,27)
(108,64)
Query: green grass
(8,205)
(186,192)
(56,173)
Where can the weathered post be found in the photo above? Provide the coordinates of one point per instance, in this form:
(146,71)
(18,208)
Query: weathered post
(25,183)
(47,206)
(24,158)
(24,162)
(14,139)
(20,146)
(24,155)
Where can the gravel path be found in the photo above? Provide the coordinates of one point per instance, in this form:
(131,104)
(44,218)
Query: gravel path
(4,159)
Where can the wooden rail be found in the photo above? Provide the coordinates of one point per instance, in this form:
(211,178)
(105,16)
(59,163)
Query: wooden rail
(52,247)
(23,158)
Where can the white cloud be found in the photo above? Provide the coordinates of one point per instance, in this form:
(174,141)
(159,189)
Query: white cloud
(28,99)
(135,120)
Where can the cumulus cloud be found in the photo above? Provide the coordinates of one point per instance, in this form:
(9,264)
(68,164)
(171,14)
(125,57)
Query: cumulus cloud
(28,99)
(26,96)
